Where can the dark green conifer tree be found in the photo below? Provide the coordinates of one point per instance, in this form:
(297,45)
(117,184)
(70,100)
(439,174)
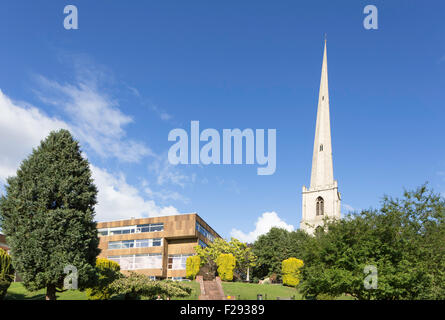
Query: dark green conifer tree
(47,215)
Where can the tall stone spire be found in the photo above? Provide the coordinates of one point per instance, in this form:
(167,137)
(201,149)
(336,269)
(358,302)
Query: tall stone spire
(322,199)
(322,169)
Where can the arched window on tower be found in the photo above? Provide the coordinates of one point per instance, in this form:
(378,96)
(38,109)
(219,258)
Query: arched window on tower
(320,206)
(321,147)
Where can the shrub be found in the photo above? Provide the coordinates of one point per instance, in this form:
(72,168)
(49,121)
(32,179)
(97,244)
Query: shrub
(290,269)
(135,286)
(192,266)
(226,263)
(6,273)
(325,296)
(107,271)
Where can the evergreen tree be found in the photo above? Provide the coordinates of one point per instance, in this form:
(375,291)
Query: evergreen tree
(47,215)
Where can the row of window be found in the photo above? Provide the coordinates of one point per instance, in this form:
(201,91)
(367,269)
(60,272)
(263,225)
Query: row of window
(139,261)
(152,227)
(204,232)
(178,279)
(150,261)
(138,243)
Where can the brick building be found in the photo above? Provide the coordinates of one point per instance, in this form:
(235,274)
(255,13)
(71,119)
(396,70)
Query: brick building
(157,247)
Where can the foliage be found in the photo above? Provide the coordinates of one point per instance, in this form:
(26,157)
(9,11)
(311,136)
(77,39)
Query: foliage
(135,286)
(192,266)
(6,272)
(241,251)
(226,263)
(108,271)
(291,269)
(404,239)
(47,215)
(274,247)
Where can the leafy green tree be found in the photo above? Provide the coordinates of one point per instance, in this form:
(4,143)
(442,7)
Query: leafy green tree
(108,271)
(404,240)
(48,215)
(274,247)
(243,254)
(136,286)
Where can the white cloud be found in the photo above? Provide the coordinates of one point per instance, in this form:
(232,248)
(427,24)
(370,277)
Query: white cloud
(94,116)
(22,127)
(262,226)
(119,200)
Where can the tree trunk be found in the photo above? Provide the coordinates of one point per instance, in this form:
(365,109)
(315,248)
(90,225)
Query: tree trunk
(248,274)
(51,292)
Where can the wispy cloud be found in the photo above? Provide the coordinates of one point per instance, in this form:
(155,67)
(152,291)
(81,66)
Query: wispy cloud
(93,114)
(348,207)
(168,174)
(163,195)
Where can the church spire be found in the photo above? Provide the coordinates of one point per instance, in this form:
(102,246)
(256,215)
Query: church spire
(322,169)
(322,200)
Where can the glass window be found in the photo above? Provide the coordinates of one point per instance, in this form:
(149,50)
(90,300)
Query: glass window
(320,206)
(177,261)
(156,227)
(202,243)
(127,244)
(142,243)
(103,232)
(114,245)
(204,232)
(143,228)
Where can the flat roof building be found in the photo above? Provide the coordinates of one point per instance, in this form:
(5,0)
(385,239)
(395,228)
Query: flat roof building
(157,247)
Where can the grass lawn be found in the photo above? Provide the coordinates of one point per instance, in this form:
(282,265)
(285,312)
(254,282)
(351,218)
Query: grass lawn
(241,291)
(18,292)
(196,291)
(249,291)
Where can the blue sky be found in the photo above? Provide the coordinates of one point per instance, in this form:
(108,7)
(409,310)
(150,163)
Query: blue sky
(133,72)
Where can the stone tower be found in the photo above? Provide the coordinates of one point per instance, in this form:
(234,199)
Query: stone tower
(322,199)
